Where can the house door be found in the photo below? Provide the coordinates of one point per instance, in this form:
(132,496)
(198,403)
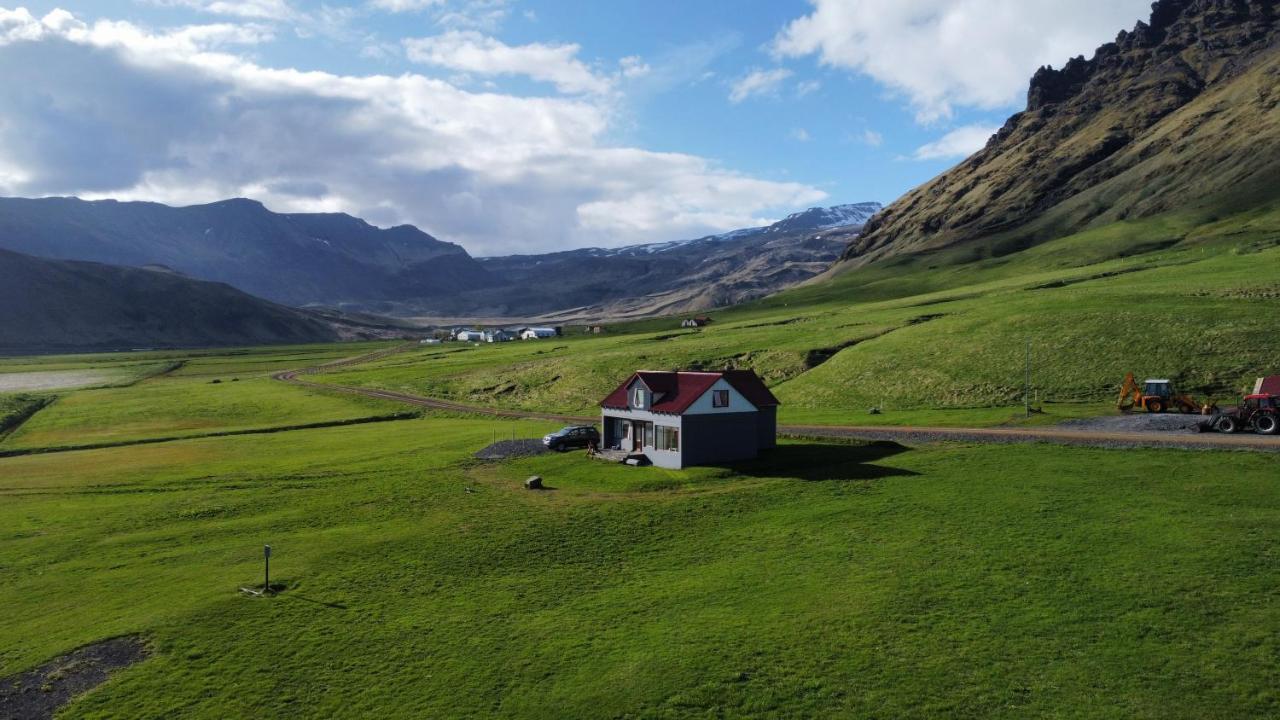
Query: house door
(641,435)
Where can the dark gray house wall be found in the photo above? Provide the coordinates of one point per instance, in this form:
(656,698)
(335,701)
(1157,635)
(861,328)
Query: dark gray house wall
(767,423)
(719,437)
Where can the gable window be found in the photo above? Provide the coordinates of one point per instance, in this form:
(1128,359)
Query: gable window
(720,398)
(637,398)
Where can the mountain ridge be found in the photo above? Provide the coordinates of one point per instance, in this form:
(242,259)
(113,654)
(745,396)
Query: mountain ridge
(341,261)
(75,305)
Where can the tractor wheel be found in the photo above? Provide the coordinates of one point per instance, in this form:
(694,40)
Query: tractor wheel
(1267,424)
(1155,406)
(1226,425)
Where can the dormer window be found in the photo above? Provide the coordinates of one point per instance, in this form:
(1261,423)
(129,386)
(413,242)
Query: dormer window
(637,399)
(720,398)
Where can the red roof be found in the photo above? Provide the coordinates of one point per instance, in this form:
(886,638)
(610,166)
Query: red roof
(674,392)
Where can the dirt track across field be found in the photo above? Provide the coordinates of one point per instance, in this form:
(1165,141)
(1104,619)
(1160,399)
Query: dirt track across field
(1180,439)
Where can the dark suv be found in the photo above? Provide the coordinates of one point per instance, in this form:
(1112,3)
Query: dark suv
(574,436)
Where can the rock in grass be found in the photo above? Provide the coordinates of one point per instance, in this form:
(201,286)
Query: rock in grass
(534,482)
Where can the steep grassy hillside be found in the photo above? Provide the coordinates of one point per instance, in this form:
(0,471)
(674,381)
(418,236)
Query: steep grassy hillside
(1179,114)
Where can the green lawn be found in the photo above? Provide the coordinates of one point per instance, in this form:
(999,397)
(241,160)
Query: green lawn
(827,579)
(168,407)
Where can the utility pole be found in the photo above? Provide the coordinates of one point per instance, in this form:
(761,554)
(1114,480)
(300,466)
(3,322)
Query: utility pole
(1026,385)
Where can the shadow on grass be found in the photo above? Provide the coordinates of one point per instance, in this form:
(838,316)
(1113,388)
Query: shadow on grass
(814,462)
(303,598)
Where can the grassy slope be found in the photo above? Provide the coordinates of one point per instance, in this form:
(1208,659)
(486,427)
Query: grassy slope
(174,407)
(964,581)
(187,400)
(1189,295)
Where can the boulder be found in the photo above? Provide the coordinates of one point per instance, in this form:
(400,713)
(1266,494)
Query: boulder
(534,482)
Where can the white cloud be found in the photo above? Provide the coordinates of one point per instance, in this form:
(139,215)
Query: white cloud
(807,87)
(872,138)
(252,9)
(404,5)
(943,54)
(959,143)
(800,135)
(633,66)
(757,82)
(113,110)
(471,52)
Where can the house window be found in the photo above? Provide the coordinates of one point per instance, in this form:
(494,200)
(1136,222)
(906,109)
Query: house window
(720,398)
(668,438)
(638,397)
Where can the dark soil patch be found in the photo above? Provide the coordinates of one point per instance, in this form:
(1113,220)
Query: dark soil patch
(505,449)
(41,692)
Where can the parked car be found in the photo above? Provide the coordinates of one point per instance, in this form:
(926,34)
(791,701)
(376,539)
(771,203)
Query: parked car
(1259,413)
(574,436)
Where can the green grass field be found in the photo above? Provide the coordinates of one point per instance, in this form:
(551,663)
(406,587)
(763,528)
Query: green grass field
(828,579)
(825,579)
(178,406)
(924,334)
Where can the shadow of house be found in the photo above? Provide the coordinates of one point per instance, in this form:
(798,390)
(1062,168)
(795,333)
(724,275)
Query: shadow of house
(825,461)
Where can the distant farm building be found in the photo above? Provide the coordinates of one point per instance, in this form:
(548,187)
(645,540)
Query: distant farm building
(694,322)
(500,336)
(538,333)
(678,419)
(469,336)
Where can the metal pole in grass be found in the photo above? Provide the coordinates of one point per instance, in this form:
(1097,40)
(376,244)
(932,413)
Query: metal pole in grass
(266,569)
(1026,387)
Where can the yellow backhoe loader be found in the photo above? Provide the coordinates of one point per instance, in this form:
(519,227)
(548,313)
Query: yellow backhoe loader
(1157,396)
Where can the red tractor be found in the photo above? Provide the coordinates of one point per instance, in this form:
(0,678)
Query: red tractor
(1259,413)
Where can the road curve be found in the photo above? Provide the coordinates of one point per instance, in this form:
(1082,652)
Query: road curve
(894,433)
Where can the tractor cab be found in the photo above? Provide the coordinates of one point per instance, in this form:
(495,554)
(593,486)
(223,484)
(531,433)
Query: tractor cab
(1162,389)
(1261,402)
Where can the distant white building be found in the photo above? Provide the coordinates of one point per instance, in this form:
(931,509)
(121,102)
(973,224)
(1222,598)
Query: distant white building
(499,336)
(429,341)
(538,333)
(469,336)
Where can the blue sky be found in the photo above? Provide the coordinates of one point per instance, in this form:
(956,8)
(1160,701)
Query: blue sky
(519,125)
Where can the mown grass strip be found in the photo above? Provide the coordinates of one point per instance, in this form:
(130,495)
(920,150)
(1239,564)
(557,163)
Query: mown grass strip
(223,433)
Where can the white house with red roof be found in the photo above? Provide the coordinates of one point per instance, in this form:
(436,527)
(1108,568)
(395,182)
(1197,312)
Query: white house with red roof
(683,418)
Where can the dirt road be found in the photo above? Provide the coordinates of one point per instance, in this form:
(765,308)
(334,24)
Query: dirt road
(903,434)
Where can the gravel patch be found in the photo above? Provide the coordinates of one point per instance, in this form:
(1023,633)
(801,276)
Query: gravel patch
(39,693)
(506,449)
(1137,422)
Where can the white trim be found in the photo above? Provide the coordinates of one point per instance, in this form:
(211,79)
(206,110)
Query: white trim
(737,402)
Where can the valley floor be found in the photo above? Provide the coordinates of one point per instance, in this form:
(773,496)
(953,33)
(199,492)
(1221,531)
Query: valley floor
(827,578)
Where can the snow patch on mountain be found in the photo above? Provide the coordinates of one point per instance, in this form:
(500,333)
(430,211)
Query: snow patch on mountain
(828,217)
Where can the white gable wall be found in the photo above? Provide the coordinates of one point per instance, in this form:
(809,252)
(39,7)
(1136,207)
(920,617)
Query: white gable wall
(737,402)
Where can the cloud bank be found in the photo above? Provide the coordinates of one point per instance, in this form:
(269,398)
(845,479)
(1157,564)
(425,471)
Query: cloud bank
(945,54)
(185,116)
